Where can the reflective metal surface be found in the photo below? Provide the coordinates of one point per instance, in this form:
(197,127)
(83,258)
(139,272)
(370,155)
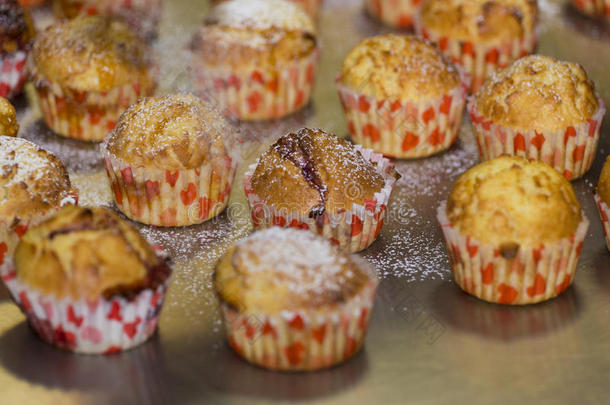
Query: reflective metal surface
(428,342)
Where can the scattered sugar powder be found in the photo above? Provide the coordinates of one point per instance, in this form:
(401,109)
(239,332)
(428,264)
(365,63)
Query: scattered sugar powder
(22,161)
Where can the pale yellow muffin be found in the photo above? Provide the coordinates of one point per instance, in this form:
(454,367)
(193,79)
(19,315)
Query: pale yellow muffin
(603,186)
(510,202)
(538,92)
(8,118)
(399,66)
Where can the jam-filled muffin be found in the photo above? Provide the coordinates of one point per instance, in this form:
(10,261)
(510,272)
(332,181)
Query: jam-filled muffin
(311,7)
(602,198)
(33,184)
(169,161)
(480,35)
(87,71)
(8,118)
(256,58)
(88,281)
(402,97)
(396,13)
(31,3)
(16,33)
(317,181)
(290,300)
(540,108)
(593,8)
(514,231)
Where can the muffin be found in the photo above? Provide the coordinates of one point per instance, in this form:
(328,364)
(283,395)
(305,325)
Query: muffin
(402,97)
(317,181)
(514,231)
(142,16)
(593,8)
(290,300)
(31,3)
(88,282)
(602,199)
(480,35)
(396,13)
(256,58)
(311,7)
(8,118)
(33,185)
(16,33)
(539,108)
(169,161)
(87,71)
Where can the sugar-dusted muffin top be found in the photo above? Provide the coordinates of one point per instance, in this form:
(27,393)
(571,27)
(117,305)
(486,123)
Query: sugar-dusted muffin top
(32,180)
(511,202)
(603,186)
(8,118)
(173,132)
(399,67)
(283,269)
(490,21)
(92,54)
(311,172)
(86,253)
(538,92)
(262,33)
(16,29)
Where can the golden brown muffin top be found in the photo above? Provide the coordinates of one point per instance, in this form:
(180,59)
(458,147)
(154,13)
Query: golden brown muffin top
(92,54)
(86,253)
(8,118)
(16,29)
(603,187)
(311,171)
(261,33)
(510,202)
(31,180)
(173,132)
(400,67)
(283,269)
(538,92)
(491,21)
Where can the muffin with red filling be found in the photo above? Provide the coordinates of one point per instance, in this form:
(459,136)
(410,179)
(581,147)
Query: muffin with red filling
(16,33)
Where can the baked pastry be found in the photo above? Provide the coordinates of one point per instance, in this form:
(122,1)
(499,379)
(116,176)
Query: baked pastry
(539,108)
(602,199)
(8,118)
(401,96)
(480,35)
(290,300)
(396,13)
(87,71)
(256,58)
(593,8)
(88,282)
(33,184)
(142,16)
(514,231)
(311,7)
(31,3)
(169,161)
(16,33)
(317,181)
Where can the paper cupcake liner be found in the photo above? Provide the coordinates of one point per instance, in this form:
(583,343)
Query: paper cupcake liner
(594,8)
(480,60)
(403,128)
(258,94)
(396,13)
(604,213)
(353,230)
(532,275)
(103,326)
(13,74)
(300,340)
(570,150)
(170,198)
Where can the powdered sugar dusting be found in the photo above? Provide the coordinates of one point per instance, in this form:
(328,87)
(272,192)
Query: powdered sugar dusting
(20,161)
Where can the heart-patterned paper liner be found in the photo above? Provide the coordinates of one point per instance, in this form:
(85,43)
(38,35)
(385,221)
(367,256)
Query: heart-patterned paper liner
(13,74)
(569,150)
(604,213)
(354,229)
(593,8)
(167,198)
(404,128)
(258,94)
(533,275)
(395,13)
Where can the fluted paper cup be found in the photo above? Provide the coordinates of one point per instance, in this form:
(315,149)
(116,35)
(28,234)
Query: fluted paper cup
(604,213)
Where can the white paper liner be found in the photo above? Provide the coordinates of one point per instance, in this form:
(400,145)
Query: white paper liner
(594,8)
(604,214)
(570,150)
(396,13)
(533,275)
(13,74)
(353,230)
